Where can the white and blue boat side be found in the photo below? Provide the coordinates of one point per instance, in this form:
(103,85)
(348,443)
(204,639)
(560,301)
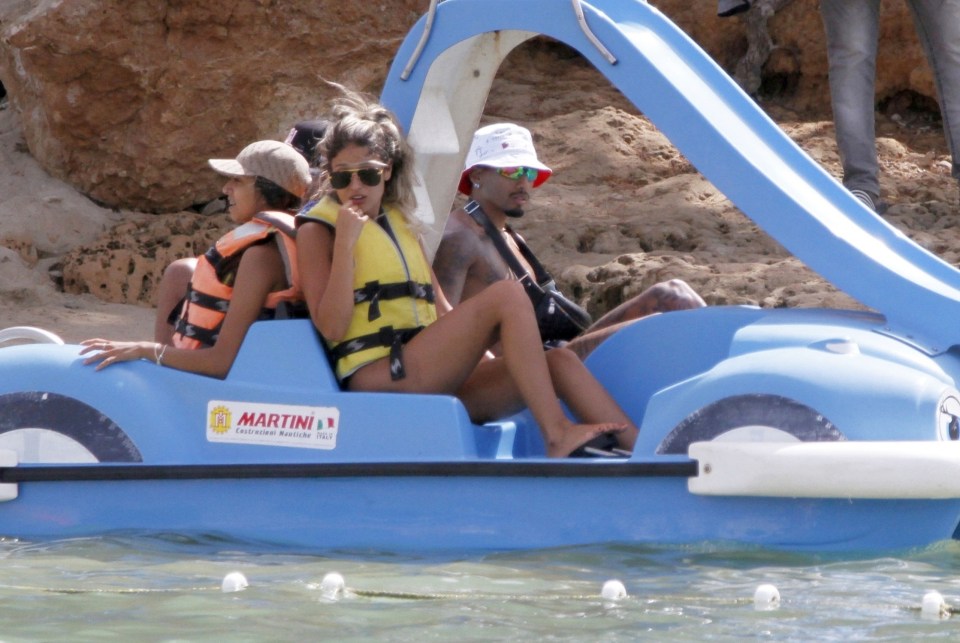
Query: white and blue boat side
(769,427)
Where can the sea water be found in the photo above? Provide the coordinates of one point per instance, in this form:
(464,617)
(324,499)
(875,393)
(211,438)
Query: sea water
(169,588)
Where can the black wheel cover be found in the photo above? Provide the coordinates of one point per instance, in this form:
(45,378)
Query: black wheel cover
(730,413)
(95,431)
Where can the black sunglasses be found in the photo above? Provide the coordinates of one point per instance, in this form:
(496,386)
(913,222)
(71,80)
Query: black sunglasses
(368,176)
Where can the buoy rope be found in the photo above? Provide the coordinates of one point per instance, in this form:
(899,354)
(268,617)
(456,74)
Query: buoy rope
(104,590)
(946,610)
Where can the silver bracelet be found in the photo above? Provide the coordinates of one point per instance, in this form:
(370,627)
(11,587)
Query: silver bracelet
(160,354)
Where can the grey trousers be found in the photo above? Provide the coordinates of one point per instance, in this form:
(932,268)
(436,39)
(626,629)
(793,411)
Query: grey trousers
(852,28)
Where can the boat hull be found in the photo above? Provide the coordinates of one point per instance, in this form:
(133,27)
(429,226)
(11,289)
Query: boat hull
(459,513)
(277,453)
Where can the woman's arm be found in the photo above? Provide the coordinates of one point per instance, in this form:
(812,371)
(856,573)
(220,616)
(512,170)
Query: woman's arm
(260,272)
(326,273)
(440,299)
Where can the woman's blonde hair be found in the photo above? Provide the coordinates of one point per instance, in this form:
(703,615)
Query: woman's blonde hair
(357,119)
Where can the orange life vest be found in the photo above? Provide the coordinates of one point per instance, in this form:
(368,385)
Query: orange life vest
(211,287)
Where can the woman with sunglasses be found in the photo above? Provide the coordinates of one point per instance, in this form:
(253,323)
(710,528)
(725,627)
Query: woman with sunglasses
(240,280)
(374,298)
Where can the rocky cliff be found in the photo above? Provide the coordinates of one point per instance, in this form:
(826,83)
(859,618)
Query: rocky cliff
(123,102)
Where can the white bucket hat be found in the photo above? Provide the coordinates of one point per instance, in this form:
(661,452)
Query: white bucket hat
(502,145)
(275,161)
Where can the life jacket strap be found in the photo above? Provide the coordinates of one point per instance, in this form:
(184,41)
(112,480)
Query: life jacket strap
(210,302)
(206,336)
(213,256)
(374,292)
(386,336)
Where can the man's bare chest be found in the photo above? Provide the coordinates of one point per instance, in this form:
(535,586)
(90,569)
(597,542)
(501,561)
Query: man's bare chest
(494,267)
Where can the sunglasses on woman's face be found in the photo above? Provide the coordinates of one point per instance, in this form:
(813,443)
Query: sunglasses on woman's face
(368,176)
(517,173)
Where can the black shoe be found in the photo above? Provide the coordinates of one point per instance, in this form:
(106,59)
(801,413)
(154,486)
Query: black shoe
(602,446)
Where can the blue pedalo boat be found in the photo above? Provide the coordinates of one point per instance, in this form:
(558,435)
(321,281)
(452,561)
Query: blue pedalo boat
(799,429)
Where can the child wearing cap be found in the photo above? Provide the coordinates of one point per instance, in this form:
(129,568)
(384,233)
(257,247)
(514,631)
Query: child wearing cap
(243,278)
(374,299)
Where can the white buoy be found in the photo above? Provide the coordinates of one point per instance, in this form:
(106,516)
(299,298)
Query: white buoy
(234,582)
(766,597)
(613,590)
(933,606)
(333,586)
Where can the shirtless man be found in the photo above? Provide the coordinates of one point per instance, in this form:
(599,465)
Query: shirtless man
(501,169)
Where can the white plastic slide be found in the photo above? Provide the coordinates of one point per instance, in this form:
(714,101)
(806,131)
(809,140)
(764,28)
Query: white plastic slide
(439,84)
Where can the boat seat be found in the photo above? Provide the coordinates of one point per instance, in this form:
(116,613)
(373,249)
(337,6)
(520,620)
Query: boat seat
(495,440)
(284,351)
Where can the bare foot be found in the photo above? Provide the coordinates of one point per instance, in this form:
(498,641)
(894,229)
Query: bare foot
(575,436)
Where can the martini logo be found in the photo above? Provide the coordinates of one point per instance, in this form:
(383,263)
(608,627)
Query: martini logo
(219,419)
(311,427)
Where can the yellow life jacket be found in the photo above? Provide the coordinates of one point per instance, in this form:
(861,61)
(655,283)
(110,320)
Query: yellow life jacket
(211,287)
(392,291)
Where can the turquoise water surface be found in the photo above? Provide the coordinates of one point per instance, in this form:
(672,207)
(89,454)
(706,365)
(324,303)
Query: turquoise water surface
(168,588)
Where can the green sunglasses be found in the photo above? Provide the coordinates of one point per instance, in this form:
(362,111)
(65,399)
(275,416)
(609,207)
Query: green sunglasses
(517,173)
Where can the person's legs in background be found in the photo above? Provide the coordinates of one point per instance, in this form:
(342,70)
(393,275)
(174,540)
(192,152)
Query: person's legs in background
(852,28)
(938,28)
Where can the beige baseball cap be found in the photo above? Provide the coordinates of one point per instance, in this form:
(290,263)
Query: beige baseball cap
(273,160)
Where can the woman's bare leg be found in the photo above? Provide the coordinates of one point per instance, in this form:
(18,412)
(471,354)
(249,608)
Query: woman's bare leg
(490,393)
(173,286)
(586,397)
(444,356)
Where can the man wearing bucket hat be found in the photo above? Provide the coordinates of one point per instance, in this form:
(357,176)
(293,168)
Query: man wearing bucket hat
(479,247)
(206,304)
